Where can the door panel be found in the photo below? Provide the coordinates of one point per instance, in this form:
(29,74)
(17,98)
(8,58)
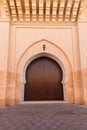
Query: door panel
(43,80)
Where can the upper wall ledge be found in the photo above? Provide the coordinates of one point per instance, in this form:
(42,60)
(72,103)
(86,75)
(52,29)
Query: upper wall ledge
(82,21)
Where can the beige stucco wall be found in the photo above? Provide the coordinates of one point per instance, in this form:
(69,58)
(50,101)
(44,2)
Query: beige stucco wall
(4,42)
(22,43)
(82,31)
(23,38)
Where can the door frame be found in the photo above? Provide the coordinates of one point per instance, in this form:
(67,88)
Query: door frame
(44,55)
(51,57)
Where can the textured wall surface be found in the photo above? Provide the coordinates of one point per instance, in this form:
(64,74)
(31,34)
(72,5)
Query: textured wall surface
(4,42)
(20,44)
(82,28)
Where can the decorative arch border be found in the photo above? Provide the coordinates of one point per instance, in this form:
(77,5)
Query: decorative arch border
(53,51)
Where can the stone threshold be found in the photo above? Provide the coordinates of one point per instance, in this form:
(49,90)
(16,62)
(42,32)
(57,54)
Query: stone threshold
(42,102)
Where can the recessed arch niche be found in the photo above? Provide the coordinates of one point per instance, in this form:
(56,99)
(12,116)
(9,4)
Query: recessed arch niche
(52,51)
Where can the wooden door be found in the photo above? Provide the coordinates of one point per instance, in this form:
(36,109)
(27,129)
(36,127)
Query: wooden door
(43,80)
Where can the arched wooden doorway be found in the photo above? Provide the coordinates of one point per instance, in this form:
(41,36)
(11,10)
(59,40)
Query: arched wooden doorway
(43,80)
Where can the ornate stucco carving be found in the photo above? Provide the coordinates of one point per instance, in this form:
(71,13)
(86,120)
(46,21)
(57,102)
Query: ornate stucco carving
(43,10)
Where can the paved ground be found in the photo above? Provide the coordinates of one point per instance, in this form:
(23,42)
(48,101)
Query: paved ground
(44,117)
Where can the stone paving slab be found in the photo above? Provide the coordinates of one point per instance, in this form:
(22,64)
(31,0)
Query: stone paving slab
(44,117)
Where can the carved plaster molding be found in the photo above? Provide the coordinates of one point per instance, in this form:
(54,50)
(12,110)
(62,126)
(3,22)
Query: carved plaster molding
(43,10)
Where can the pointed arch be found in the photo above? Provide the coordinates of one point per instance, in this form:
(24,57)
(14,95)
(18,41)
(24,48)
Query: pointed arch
(53,51)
